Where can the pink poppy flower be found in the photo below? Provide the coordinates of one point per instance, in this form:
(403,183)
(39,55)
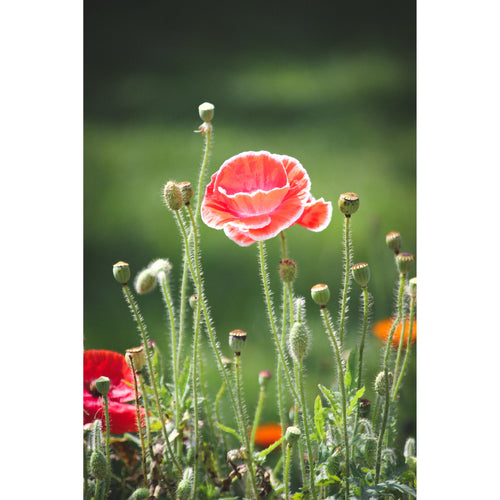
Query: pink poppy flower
(122,416)
(256,195)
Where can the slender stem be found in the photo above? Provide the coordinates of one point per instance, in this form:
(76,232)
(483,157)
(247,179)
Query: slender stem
(139,426)
(145,402)
(201,178)
(195,364)
(182,309)
(287,471)
(402,278)
(258,412)
(142,329)
(341,374)
(245,438)
(108,461)
(408,347)
(297,424)
(400,348)
(217,411)
(347,276)
(306,429)
(270,313)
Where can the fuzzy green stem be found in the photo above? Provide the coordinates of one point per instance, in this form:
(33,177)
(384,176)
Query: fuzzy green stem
(145,402)
(258,412)
(244,436)
(182,308)
(347,276)
(195,364)
(387,396)
(298,424)
(204,163)
(341,375)
(287,471)
(139,425)
(400,348)
(142,329)
(106,413)
(407,354)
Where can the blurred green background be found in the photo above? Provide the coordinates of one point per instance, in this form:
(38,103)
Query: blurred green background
(329,83)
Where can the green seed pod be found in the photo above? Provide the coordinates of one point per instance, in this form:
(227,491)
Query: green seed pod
(140,494)
(298,341)
(264,378)
(98,465)
(348,203)
(361,274)
(393,241)
(145,281)
(380,383)
(288,271)
(121,272)
(207,111)
(237,341)
(412,287)
(292,435)
(173,196)
(405,261)
(320,293)
(186,191)
(102,385)
(136,358)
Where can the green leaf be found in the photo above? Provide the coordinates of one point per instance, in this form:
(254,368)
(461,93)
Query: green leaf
(228,430)
(354,400)
(319,421)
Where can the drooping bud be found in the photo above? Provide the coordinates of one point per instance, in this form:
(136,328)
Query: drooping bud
(136,358)
(102,385)
(288,270)
(412,287)
(380,383)
(405,261)
(160,265)
(320,293)
(207,111)
(173,196)
(237,341)
(98,465)
(193,300)
(292,435)
(393,241)
(298,341)
(121,272)
(186,191)
(140,494)
(145,281)
(361,274)
(264,378)
(348,203)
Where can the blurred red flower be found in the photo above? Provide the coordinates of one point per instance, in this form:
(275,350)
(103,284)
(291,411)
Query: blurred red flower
(267,434)
(255,195)
(383,327)
(122,416)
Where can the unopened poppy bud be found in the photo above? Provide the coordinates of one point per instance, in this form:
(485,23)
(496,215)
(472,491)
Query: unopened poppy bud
(207,111)
(264,378)
(393,240)
(361,274)
(121,272)
(136,358)
(184,486)
(288,270)
(173,195)
(145,281)
(140,494)
(98,465)
(370,451)
(193,300)
(380,383)
(333,465)
(412,287)
(160,265)
(102,385)
(298,341)
(320,293)
(237,341)
(186,191)
(409,449)
(348,203)
(292,435)
(405,261)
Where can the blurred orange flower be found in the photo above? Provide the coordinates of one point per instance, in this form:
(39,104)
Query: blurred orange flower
(267,434)
(382,328)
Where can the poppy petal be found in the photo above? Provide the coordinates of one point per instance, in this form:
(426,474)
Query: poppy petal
(317,215)
(238,236)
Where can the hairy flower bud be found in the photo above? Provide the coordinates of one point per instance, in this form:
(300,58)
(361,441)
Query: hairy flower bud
(361,274)
(160,265)
(292,435)
(145,281)
(136,358)
(405,261)
(173,196)
(288,270)
(348,203)
(393,241)
(237,341)
(207,111)
(98,465)
(298,341)
(370,451)
(140,494)
(102,385)
(186,191)
(264,378)
(380,383)
(121,272)
(320,293)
